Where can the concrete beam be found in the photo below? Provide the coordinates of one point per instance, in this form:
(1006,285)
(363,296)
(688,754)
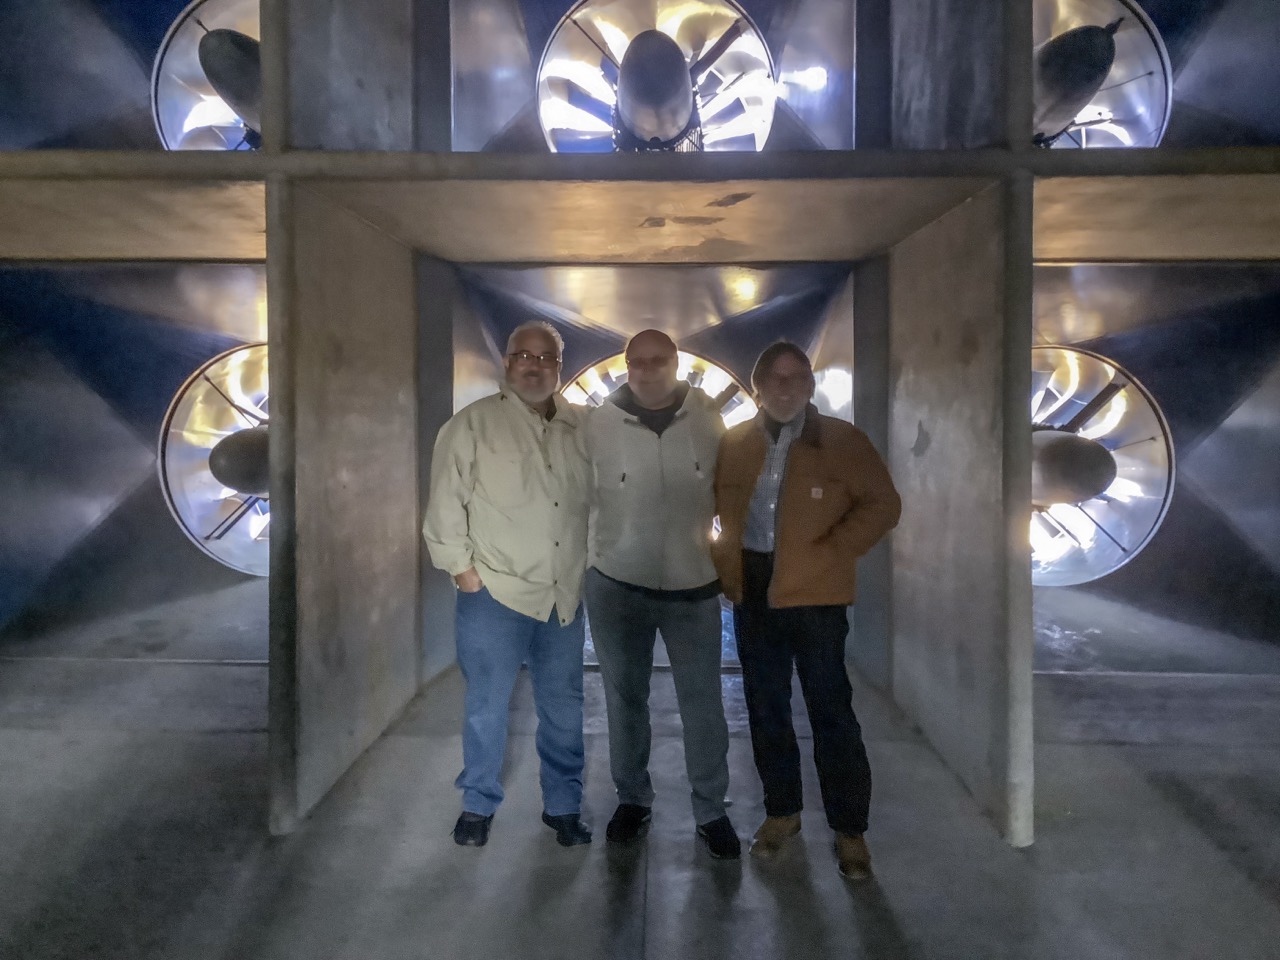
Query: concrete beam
(132,220)
(631,222)
(1158,218)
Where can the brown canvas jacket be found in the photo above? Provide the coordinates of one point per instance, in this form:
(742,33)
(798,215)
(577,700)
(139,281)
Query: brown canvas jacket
(837,501)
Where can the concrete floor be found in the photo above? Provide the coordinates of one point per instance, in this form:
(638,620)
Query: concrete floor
(132,808)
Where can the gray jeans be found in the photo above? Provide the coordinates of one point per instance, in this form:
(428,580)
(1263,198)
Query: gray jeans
(623,623)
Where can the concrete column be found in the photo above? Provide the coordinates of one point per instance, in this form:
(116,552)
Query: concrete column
(351,73)
(439,293)
(873,74)
(871,652)
(433,82)
(960,453)
(949,73)
(345,645)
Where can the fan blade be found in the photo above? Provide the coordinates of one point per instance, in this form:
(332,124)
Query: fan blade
(585,102)
(1093,407)
(708,59)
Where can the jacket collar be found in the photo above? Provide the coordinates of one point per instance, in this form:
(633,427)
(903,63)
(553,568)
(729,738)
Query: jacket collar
(624,399)
(810,433)
(558,403)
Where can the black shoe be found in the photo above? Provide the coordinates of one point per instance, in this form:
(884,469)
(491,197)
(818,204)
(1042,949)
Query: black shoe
(472,830)
(630,822)
(569,828)
(722,842)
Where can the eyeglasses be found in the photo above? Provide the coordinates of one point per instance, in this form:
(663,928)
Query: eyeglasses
(541,359)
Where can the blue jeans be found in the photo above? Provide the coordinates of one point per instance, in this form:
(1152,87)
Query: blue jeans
(493,641)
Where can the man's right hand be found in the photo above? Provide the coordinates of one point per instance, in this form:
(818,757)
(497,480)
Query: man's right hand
(469,581)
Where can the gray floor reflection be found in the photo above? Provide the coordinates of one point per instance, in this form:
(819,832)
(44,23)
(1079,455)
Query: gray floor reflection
(728,643)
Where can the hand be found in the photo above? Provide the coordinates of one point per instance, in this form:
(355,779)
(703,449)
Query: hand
(469,581)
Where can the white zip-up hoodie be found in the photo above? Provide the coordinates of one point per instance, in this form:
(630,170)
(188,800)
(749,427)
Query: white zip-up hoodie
(652,501)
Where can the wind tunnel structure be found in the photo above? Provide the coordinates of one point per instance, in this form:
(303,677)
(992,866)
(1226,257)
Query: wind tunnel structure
(598,76)
(1102,75)
(1194,351)
(1102,467)
(206,85)
(93,357)
(213,459)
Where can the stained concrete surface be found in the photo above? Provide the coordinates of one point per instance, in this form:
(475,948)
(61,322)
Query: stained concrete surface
(133,812)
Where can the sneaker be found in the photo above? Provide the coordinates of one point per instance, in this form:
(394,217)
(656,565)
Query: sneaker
(472,830)
(853,856)
(773,833)
(722,841)
(630,822)
(569,828)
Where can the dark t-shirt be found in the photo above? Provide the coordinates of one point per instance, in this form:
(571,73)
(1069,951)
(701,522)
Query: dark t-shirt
(655,420)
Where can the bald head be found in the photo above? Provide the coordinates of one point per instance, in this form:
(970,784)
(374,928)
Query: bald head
(652,368)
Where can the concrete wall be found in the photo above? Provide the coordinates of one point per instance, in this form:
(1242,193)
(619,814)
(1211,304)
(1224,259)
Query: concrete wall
(345,573)
(439,298)
(870,650)
(958,348)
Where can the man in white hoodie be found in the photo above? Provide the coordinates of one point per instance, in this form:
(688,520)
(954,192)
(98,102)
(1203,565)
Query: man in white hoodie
(652,449)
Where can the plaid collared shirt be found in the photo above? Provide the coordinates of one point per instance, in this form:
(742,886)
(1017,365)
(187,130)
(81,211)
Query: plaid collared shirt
(762,513)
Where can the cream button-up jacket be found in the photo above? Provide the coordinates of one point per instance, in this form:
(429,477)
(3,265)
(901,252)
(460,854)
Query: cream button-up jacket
(509,497)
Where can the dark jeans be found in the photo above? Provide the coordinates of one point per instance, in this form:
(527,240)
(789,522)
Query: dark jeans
(770,641)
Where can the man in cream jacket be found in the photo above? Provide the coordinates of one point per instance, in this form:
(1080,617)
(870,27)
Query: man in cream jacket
(507,519)
(652,448)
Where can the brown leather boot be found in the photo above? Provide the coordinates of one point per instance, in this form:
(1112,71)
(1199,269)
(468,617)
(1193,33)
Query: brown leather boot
(853,856)
(773,833)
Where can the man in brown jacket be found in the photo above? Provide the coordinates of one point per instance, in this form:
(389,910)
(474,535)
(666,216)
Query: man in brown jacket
(801,497)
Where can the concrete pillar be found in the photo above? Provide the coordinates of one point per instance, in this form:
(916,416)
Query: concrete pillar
(870,651)
(959,444)
(949,74)
(345,617)
(351,73)
(873,72)
(439,296)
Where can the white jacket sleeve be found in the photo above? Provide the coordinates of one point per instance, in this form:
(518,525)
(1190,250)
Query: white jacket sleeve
(447,527)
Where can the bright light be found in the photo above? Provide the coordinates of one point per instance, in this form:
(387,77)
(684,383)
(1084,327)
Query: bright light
(1124,490)
(1110,417)
(746,288)
(562,115)
(575,395)
(813,78)
(210,112)
(615,38)
(834,385)
(258,523)
(584,75)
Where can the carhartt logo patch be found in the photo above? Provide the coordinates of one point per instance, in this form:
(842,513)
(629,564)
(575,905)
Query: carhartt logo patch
(817,493)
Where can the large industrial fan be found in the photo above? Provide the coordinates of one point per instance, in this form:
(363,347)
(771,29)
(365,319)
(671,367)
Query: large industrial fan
(1102,470)
(214,467)
(1102,75)
(206,87)
(592,386)
(661,75)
